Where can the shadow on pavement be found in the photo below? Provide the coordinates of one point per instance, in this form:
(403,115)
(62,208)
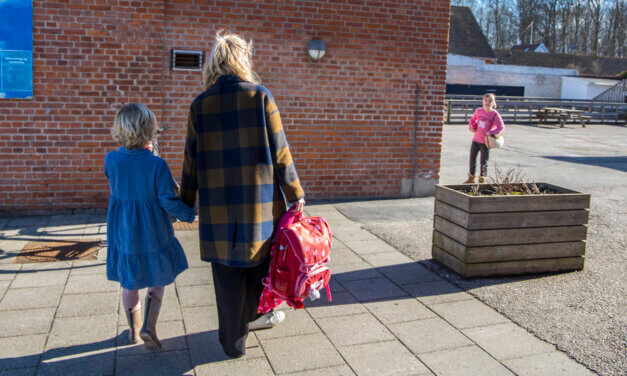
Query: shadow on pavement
(179,356)
(615,162)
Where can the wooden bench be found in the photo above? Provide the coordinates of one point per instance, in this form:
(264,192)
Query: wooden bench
(561,115)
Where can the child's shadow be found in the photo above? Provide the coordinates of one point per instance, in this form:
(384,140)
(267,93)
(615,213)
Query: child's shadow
(179,356)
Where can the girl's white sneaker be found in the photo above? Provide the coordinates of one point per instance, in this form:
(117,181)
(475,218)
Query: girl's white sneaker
(267,320)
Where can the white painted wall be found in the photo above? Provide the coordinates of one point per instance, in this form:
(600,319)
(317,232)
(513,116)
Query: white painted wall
(584,88)
(574,89)
(538,81)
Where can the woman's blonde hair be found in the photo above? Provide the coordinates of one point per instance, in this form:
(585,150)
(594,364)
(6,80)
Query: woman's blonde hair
(134,126)
(230,55)
(492,100)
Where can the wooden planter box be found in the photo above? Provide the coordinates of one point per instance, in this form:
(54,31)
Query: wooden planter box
(480,236)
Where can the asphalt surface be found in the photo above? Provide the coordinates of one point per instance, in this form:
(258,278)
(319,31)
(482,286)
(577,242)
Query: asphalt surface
(582,313)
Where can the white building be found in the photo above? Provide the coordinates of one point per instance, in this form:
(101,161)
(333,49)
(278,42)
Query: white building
(585,87)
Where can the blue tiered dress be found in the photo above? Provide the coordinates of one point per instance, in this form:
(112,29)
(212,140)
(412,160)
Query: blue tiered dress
(142,250)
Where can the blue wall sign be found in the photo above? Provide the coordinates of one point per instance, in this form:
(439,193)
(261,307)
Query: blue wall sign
(16,49)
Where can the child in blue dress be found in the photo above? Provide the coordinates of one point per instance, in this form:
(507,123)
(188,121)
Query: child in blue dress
(142,250)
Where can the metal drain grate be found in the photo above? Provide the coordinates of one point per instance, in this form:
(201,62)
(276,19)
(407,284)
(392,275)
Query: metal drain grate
(186,60)
(86,249)
(183,226)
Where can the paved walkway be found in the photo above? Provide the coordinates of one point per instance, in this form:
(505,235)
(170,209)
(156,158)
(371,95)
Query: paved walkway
(389,316)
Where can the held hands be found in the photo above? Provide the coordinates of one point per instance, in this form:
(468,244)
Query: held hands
(298,206)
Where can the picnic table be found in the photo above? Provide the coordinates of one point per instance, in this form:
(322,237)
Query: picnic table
(561,115)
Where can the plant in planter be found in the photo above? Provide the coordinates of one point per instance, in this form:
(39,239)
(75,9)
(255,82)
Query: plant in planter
(507,228)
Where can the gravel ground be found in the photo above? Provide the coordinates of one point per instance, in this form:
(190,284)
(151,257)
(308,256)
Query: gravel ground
(582,313)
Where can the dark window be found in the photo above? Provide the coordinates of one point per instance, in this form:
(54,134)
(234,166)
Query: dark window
(459,89)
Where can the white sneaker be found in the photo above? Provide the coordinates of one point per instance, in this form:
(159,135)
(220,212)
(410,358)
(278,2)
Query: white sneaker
(267,320)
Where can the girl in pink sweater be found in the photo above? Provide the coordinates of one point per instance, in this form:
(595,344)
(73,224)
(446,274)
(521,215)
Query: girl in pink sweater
(485,122)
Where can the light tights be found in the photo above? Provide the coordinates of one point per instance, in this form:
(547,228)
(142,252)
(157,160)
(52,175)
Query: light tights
(130,298)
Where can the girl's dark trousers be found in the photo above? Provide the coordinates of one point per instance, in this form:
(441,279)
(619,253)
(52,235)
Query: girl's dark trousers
(238,291)
(475,148)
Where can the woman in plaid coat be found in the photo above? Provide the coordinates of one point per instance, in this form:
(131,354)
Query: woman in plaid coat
(238,161)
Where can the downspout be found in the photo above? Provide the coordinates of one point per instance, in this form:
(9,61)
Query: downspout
(415,167)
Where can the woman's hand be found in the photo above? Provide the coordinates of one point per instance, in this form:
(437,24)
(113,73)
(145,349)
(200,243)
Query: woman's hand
(298,205)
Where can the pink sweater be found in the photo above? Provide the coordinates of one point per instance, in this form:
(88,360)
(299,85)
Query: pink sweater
(481,120)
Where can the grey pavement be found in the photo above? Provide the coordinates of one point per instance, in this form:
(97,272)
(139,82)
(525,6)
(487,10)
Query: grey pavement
(389,316)
(582,313)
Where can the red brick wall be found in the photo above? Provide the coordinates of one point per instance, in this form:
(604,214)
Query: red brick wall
(349,118)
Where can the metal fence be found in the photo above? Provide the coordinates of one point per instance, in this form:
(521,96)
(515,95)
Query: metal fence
(459,108)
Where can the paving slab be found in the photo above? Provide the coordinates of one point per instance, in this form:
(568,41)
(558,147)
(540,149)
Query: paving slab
(352,272)
(8,272)
(86,267)
(194,261)
(329,371)
(289,355)
(374,289)
(464,361)
(320,209)
(24,322)
(343,255)
(468,314)
(81,284)
(19,372)
(429,335)
(555,363)
(343,304)
(4,286)
(381,358)
(506,341)
(408,273)
(162,363)
(36,277)
(354,330)
(401,310)
(349,235)
(27,221)
(296,323)
(88,304)
(258,366)
(334,285)
(200,319)
(204,347)
(195,277)
(21,352)
(170,333)
(386,259)
(102,254)
(436,292)
(9,249)
(31,297)
(97,331)
(194,296)
(88,362)
(365,246)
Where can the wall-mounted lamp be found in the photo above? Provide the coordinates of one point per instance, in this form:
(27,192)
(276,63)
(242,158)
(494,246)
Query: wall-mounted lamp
(316,49)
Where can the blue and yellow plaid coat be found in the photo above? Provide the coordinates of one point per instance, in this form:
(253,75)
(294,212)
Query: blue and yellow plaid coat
(238,160)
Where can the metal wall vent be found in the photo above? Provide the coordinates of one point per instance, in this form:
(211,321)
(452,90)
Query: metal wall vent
(186,60)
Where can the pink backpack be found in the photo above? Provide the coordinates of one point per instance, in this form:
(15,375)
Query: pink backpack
(299,253)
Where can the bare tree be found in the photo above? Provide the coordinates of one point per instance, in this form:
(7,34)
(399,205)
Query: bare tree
(594,7)
(587,27)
